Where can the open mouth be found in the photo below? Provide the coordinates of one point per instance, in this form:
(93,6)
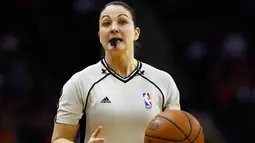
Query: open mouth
(115,40)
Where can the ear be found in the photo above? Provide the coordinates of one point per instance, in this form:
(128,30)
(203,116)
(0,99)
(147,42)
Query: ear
(137,33)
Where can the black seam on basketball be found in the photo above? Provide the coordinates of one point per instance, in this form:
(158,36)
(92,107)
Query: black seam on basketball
(190,131)
(200,129)
(175,126)
(164,139)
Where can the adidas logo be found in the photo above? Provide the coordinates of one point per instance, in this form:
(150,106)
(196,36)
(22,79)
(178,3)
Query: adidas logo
(106,100)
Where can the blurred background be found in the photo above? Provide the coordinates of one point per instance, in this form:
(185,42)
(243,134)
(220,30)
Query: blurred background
(207,47)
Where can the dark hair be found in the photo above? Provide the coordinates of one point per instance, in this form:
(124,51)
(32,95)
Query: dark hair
(131,10)
(126,6)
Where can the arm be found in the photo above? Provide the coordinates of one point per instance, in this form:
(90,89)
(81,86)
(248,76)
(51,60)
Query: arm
(60,134)
(69,113)
(172,95)
(63,133)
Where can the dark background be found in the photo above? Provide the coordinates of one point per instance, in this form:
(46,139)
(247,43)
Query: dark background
(207,46)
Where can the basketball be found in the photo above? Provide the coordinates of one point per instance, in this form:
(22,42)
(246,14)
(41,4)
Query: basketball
(174,126)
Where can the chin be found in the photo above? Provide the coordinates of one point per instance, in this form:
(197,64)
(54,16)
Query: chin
(117,50)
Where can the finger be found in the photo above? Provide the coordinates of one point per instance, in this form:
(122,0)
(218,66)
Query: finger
(99,140)
(97,132)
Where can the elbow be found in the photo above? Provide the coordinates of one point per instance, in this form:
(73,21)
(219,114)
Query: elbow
(60,140)
(53,140)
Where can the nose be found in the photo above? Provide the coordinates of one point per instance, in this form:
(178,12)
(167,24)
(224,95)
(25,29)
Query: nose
(114,29)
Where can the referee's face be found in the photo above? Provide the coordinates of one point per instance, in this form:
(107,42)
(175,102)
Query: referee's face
(116,22)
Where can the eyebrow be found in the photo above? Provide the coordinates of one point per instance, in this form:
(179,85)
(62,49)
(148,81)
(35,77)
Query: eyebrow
(117,16)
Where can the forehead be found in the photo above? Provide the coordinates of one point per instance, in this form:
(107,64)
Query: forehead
(115,10)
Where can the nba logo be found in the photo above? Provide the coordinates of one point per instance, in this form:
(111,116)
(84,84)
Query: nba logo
(147,100)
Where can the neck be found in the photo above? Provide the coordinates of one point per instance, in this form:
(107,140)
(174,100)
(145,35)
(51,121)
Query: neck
(123,65)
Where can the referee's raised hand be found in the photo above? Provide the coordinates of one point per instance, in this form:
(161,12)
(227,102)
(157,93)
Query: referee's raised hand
(95,136)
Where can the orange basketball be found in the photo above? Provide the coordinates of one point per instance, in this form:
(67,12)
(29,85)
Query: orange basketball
(174,126)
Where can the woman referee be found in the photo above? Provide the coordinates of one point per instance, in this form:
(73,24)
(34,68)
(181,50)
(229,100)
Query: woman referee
(120,94)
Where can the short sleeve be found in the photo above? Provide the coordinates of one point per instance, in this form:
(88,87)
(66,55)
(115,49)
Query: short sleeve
(172,94)
(70,106)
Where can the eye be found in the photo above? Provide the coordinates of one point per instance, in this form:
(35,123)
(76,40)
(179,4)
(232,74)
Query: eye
(122,22)
(106,24)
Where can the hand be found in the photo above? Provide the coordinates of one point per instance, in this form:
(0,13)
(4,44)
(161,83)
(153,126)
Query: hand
(95,136)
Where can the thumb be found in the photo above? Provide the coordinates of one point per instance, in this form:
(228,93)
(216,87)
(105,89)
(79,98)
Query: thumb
(97,132)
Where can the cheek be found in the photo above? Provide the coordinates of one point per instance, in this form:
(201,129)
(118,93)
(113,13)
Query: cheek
(129,35)
(103,36)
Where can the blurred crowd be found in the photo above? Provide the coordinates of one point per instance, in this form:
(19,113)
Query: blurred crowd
(43,43)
